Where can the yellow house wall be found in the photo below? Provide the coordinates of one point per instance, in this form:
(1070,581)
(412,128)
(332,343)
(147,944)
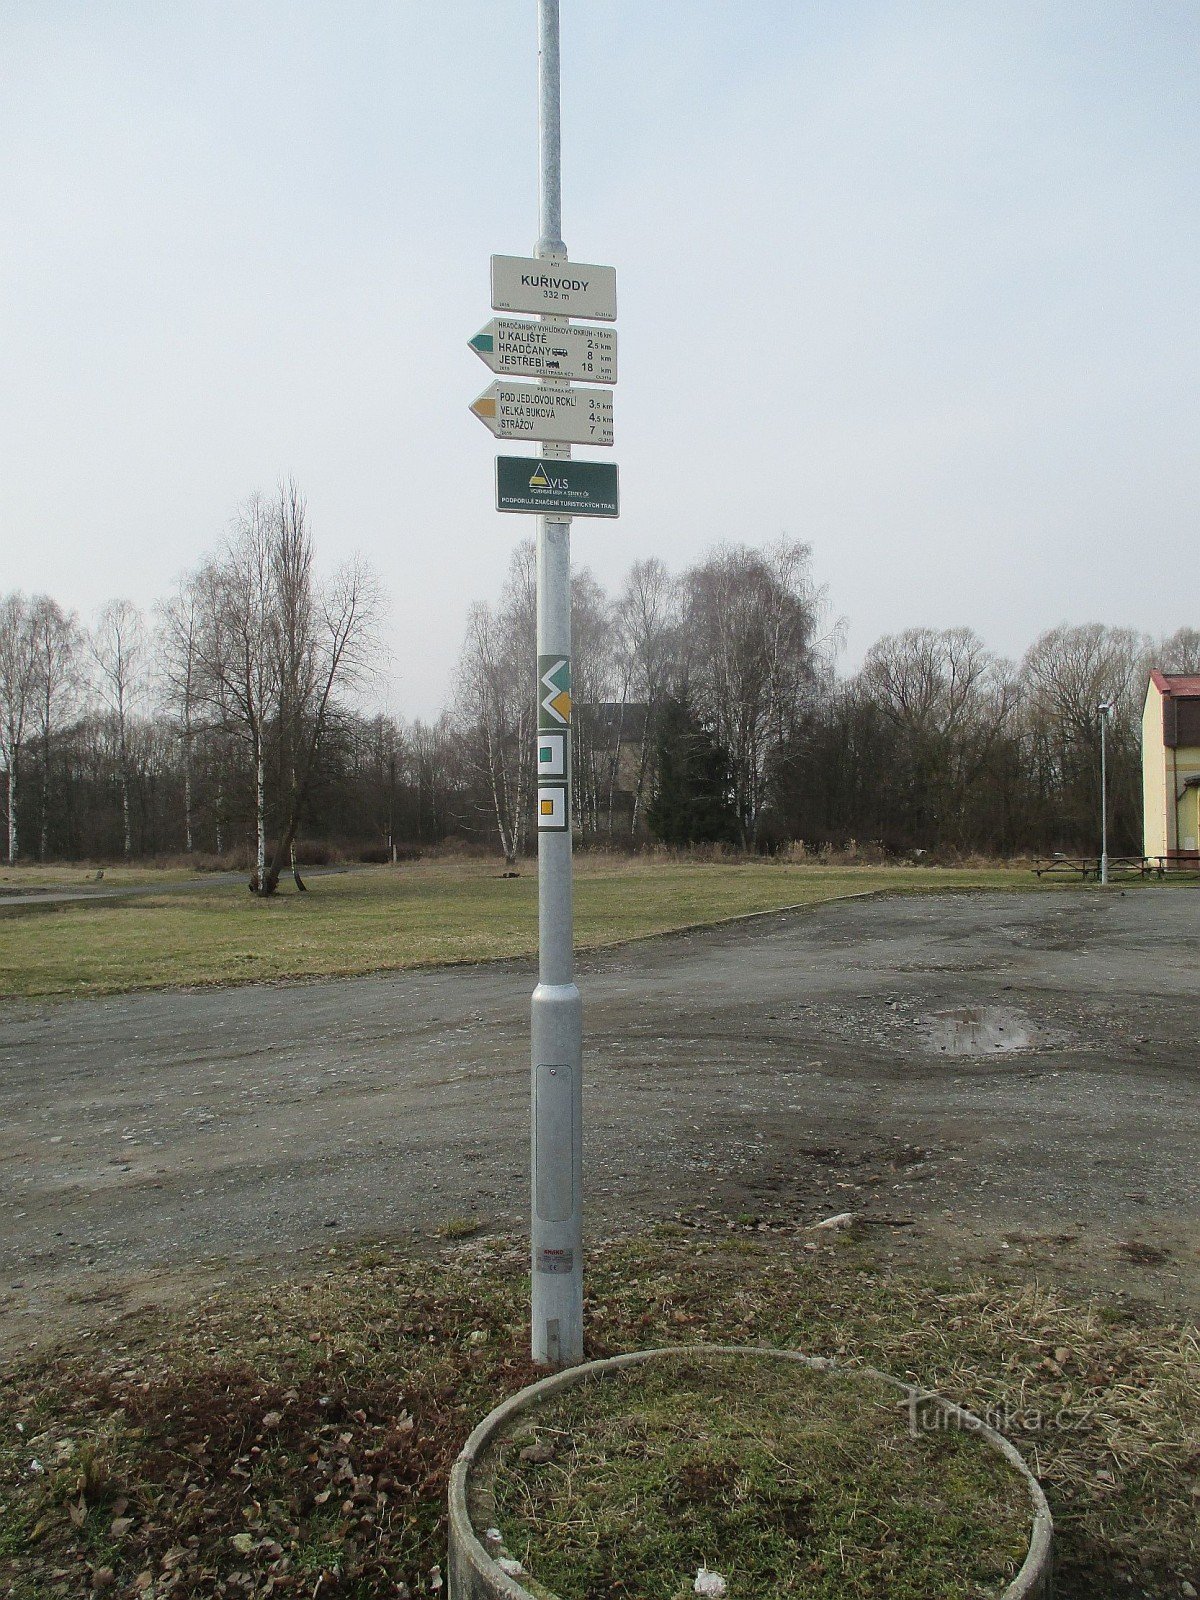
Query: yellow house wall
(1187,765)
(1156,839)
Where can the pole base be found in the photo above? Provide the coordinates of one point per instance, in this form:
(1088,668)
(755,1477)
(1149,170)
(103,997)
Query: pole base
(557,1175)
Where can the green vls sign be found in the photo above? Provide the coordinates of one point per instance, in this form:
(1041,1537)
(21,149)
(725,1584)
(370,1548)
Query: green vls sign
(557,488)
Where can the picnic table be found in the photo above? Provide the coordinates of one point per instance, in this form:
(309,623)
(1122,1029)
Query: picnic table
(1060,866)
(1085,867)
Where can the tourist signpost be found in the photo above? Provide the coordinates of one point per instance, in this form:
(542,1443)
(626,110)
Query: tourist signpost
(554,488)
(529,411)
(516,348)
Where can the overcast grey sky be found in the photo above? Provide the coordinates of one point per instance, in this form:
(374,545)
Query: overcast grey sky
(913,282)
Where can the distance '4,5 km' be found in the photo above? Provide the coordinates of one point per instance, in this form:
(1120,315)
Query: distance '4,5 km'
(567,416)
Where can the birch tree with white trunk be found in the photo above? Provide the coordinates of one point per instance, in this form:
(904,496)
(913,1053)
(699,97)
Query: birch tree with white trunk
(496,714)
(118,646)
(326,644)
(179,664)
(56,681)
(17,664)
(750,657)
(238,661)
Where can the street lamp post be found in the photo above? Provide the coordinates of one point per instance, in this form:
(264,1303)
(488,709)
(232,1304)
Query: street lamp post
(1105,711)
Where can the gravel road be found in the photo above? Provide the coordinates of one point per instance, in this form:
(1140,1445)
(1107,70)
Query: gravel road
(974,1072)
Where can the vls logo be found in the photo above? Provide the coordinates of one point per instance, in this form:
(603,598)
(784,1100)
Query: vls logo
(541,481)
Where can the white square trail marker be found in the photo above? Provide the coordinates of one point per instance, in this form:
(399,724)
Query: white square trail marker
(552,755)
(552,814)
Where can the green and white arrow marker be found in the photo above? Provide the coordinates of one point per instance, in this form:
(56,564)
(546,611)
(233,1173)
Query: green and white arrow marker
(518,349)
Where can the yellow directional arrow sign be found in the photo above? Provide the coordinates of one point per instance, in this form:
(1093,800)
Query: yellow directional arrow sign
(566,416)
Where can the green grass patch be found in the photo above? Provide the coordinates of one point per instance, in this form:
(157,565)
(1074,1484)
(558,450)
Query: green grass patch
(414,915)
(782,1479)
(273,1438)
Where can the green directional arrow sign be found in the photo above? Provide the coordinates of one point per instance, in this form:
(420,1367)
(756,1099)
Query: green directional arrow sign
(517,348)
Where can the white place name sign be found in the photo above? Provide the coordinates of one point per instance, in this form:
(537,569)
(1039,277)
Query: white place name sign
(556,288)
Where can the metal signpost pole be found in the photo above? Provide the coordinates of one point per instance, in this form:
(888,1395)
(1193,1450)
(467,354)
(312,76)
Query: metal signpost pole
(1104,711)
(556,1012)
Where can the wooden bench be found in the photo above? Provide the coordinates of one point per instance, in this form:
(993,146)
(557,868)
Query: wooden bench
(1083,867)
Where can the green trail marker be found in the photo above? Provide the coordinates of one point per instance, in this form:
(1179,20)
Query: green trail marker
(557,488)
(518,349)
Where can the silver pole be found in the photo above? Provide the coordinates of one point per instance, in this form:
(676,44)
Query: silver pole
(1104,710)
(556,1010)
(549,137)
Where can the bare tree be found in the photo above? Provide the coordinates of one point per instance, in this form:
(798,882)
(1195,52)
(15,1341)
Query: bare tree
(294,642)
(274,651)
(646,620)
(384,744)
(239,665)
(1069,671)
(434,758)
(56,648)
(951,699)
(118,646)
(179,637)
(17,678)
(1066,675)
(495,716)
(928,680)
(1179,653)
(595,684)
(330,652)
(749,655)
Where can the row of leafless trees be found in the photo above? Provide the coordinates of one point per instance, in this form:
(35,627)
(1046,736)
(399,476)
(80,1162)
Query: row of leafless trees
(936,743)
(707,706)
(739,637)
(939,744)
(236,686)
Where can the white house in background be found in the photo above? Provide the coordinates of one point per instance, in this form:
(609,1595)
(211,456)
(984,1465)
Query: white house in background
(1171,768)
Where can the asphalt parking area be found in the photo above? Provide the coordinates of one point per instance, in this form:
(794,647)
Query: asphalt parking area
(996,1078)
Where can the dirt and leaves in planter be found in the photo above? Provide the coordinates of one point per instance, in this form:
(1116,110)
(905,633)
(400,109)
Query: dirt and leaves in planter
(779,1479)
(297,1439)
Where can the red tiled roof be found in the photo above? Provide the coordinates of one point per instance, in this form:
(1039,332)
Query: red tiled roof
(1179,685)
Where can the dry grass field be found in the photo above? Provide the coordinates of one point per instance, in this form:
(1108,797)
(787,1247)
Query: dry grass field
(296,1439)
(377,919)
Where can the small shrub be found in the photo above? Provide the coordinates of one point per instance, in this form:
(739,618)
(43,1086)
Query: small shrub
(314,853)
(459,1227)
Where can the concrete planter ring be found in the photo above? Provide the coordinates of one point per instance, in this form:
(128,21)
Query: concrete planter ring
(475,1571)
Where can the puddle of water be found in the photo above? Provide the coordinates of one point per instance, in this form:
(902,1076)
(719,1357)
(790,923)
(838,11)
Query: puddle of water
(982,1031)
